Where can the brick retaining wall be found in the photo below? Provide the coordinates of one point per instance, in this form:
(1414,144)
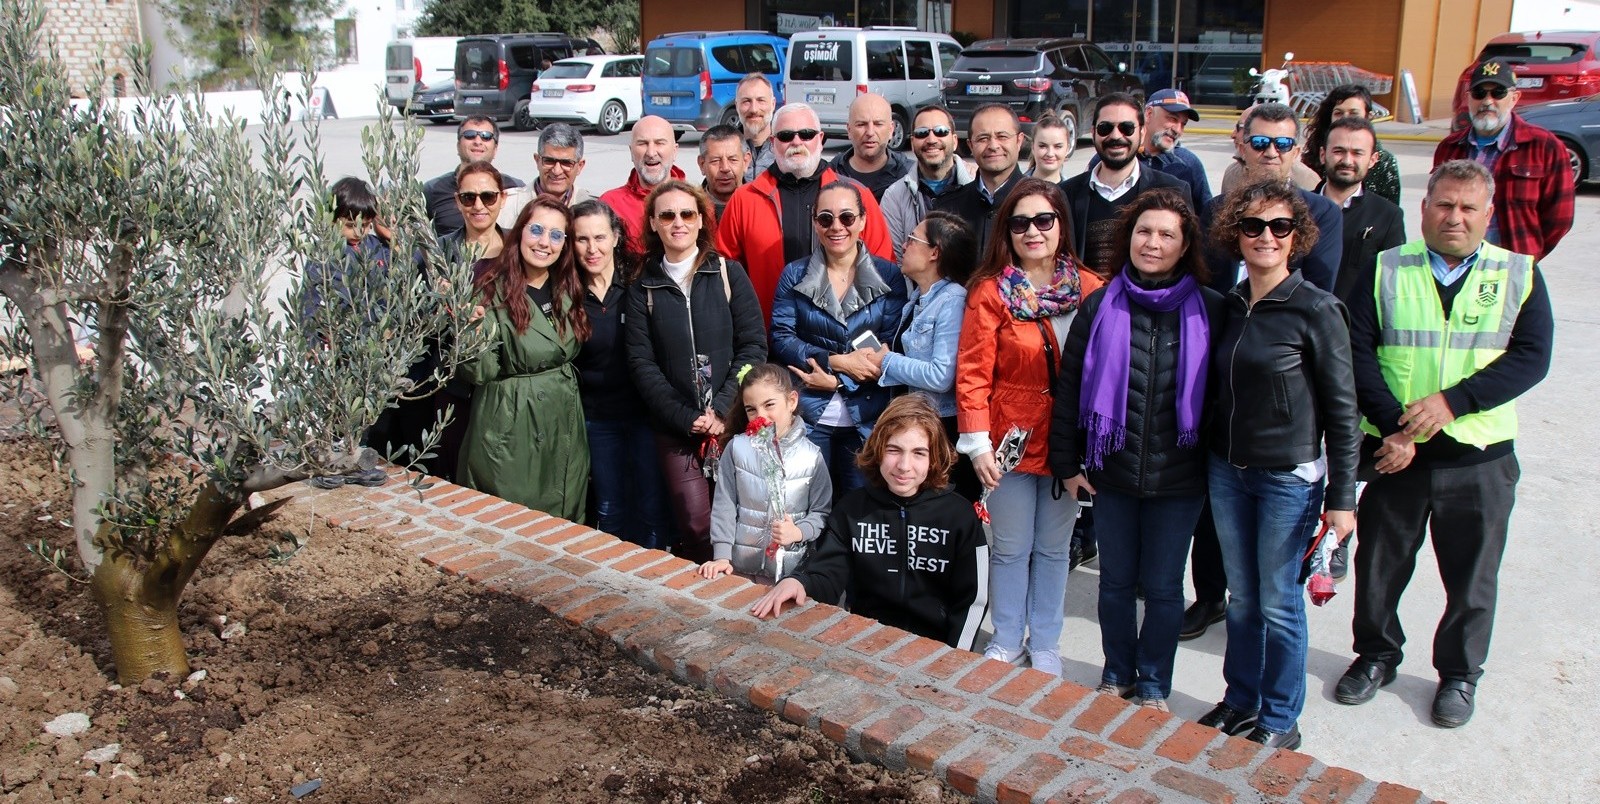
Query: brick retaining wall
(991,730)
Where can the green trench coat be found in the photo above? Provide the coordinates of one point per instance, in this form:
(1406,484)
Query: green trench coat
(526,441)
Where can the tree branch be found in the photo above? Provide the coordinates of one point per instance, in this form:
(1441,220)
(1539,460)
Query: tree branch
(69,293)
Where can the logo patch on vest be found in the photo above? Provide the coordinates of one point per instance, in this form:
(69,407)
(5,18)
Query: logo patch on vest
(1488,292)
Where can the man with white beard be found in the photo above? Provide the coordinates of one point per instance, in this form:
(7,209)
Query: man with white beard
(767,223)
(654,149)
(1533,190)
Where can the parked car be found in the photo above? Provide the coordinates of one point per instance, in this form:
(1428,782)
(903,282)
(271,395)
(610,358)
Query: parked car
(1577,123)
(1550,65)
(598,91)
(495,73)
(691,77)
(1219,78)
(426,61)
(829,67)
(1035,76)
(436,101)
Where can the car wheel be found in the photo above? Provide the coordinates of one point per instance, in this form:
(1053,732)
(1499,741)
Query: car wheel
(730,117)
(522,119)
(612,117)
(1577,161)
(901,135)
(1069,118)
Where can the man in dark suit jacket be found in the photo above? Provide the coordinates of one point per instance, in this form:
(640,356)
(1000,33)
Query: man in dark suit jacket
(1096,195)
(1372,223)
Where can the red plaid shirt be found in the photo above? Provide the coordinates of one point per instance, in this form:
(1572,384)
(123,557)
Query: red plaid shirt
(1533,192)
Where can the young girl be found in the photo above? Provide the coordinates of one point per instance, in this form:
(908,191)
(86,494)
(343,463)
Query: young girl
(743,527)
(1052,147)
(907,548)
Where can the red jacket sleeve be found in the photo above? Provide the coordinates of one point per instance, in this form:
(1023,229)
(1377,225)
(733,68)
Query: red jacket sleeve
(876,232)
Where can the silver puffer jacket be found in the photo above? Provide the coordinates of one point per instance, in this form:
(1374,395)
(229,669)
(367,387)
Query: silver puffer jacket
(741,525)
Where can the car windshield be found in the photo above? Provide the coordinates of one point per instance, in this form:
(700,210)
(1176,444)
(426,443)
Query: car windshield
(999,61)
(398,57)
(1536,52)
(821,60)
(567,69)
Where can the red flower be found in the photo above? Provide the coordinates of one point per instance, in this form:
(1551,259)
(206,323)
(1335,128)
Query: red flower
(755,426)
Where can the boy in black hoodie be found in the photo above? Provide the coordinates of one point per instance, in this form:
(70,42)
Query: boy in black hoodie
(907,549)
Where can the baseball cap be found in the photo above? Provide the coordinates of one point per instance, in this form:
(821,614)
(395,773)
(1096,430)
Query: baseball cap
(1174,101)
(1494,71)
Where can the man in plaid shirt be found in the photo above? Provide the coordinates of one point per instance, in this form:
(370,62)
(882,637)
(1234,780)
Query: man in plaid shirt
(1533,191)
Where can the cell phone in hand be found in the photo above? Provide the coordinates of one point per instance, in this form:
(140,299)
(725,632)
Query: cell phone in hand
(866,340)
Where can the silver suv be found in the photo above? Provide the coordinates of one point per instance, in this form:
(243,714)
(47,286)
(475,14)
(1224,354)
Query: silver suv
(829,67)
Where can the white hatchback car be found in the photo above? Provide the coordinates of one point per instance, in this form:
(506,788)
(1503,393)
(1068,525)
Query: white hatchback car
(599,91)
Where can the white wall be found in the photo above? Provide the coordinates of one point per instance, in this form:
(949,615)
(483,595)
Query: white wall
(1552,15)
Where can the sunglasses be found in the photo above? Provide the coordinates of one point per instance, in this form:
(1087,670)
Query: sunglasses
(1253,227)
(846,218)
(937,131)
(486,136)
(1127,127)
(536,231)
(1044,222)
(550,162)
(1499,93)
(1260,143)
(685,215)
(486,198)
(789,134)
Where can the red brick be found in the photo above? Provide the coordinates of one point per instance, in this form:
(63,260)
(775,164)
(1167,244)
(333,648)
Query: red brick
(449,495)
(1136,731)
(1390,793)
(951,663)
(411,508)
(617,622)
(845,630)
(439,557)
(764,694)
(544,586)
(1187,742)
(560,599)
(808,618)
(876,642)
(685,606)
(934,695)
(605,554)
(1086,748)
(1136,796)
(593,542)
(735,676)
(798,648)
(376,521)
(837,720)
(926,751)
(876,738)
(1060,700)
(541,526)
(1193,785)
(741,628)
(520,519)
(1022,784)
(498,512)
(565,534)
(965,773)
(1334,786)
(685,579)
(1280,773)
(531,551)
(604,604)
(483,535)
(425,547)
(1102,710)
(1022,687)
(637,560)
(720,587)
(471,506)
(698,665)
(984,676)
(642,644)
(443,523)
(442,490)
(1235,752)
(573,566)
(1016,724)
(1082,791)
(869,673)
(743,600)
(493,569)
(671,565)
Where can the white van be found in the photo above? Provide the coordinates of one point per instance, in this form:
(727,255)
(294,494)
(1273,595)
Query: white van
(426,60)
(829,67)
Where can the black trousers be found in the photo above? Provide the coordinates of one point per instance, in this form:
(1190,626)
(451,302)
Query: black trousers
(1468,511)
(1205,560)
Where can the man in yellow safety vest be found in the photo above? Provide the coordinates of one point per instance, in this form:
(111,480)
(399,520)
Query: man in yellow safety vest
(1447,334)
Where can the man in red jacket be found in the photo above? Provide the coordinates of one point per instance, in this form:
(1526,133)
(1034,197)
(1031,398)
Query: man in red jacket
(767,223)
(1533,192)
(654,150)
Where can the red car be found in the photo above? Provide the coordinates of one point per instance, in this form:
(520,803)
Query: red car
(1550,65)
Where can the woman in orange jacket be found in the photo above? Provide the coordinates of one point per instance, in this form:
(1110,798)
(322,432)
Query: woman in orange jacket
(1019,303)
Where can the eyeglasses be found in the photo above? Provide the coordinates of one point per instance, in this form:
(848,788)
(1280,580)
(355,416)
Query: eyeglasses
(846,218)
(789,134)
(1253,227)
(550,162)
(937,131)
(536,231)
(486,136)
(685,215)
(1044,222)
(486,198)
(1481,92)
(1105,127)
(919,240)
(1260,143)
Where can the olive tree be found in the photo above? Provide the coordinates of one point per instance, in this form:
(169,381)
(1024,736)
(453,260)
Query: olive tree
(155,263)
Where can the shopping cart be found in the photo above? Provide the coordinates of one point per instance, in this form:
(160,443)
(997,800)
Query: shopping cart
(1311,81)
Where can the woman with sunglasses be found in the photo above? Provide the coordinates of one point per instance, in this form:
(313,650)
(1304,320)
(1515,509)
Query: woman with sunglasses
(1019,304)
(692,321)
(1282,388)
(526,441)
(1126,429)
(1351,100)
(831,311)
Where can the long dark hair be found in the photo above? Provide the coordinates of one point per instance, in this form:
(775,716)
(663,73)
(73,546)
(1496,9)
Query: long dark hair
(958,247)
(999,253)
(773,373)
(502,284)
(1322,123)
(1193,261)
(626,260)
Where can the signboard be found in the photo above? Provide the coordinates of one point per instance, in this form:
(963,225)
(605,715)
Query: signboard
(1409,84)
(795,23)
(1190,47)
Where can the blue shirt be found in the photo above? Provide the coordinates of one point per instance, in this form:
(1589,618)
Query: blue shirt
(1447,275)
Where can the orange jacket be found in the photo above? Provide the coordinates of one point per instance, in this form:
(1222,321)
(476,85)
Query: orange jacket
(1001,375)
(750,233)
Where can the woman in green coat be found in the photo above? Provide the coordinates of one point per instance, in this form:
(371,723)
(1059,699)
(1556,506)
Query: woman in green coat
(526,442)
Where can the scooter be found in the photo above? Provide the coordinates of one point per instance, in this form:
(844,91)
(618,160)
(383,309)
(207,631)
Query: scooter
(1272,86)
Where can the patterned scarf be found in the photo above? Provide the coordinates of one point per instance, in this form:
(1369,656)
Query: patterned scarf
(1028,303)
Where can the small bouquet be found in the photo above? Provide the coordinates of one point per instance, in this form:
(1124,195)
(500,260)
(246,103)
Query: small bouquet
(763,435)
(1320,557)
(1006,456)
(710,448)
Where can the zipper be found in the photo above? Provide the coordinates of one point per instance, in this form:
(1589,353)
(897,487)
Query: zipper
(1149,395)
(1249,310)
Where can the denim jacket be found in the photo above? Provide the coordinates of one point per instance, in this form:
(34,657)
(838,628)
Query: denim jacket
(927,357)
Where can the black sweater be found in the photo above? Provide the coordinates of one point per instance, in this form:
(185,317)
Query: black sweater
(605,385)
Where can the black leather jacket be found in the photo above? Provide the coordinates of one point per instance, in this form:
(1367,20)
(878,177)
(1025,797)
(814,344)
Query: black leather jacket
(1282,384)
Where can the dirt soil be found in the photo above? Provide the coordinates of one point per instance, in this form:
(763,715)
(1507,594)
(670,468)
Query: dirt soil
(350,662)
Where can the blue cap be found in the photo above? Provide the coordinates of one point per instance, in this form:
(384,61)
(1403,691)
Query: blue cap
(1174,101)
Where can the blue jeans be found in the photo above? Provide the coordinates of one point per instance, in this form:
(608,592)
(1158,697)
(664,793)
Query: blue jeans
(839,446)
(630,502)
(1265,520)
(1028,560)
(1144,542)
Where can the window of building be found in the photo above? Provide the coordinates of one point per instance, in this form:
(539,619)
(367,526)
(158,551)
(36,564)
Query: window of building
(344,41)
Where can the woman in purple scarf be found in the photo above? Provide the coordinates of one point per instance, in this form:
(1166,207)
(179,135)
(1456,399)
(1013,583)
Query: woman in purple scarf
(1126,428)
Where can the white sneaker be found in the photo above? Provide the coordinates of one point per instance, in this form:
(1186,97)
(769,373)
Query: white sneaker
(1001,654)
(1046,661)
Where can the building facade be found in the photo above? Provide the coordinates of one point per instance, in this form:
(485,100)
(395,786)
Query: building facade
(87,32)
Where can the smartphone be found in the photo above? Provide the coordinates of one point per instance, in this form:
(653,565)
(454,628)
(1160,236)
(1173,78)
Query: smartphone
(866,340)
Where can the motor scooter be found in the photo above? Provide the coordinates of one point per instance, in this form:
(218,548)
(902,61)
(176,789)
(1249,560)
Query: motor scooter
(1272,86)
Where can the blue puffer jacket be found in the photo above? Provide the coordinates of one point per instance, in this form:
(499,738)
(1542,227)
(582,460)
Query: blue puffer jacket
(808,322)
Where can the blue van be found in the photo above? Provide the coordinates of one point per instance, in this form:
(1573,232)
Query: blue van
(690,78)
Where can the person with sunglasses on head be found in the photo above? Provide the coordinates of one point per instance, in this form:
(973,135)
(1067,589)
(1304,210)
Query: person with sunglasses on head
(526,441)
(1351,100)
(1020,302)
(995,137)
(767,223)
(1284,441)
(1534,195)
(824,307)
(940,171)
(692,320)
(477,140)
(558,163)
(654,149)
(868,158)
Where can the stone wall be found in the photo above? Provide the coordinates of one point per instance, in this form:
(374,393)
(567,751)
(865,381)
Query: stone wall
(86,31)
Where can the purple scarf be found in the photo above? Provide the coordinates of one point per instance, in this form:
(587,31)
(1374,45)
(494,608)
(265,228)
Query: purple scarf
(1103,399)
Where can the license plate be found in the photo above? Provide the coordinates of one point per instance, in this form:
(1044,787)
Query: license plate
(473,101)
(660,100)
(819,97)
(554,93)
(1529,83)
(983,89)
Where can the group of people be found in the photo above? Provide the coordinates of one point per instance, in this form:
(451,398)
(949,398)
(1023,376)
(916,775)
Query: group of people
(805,373)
